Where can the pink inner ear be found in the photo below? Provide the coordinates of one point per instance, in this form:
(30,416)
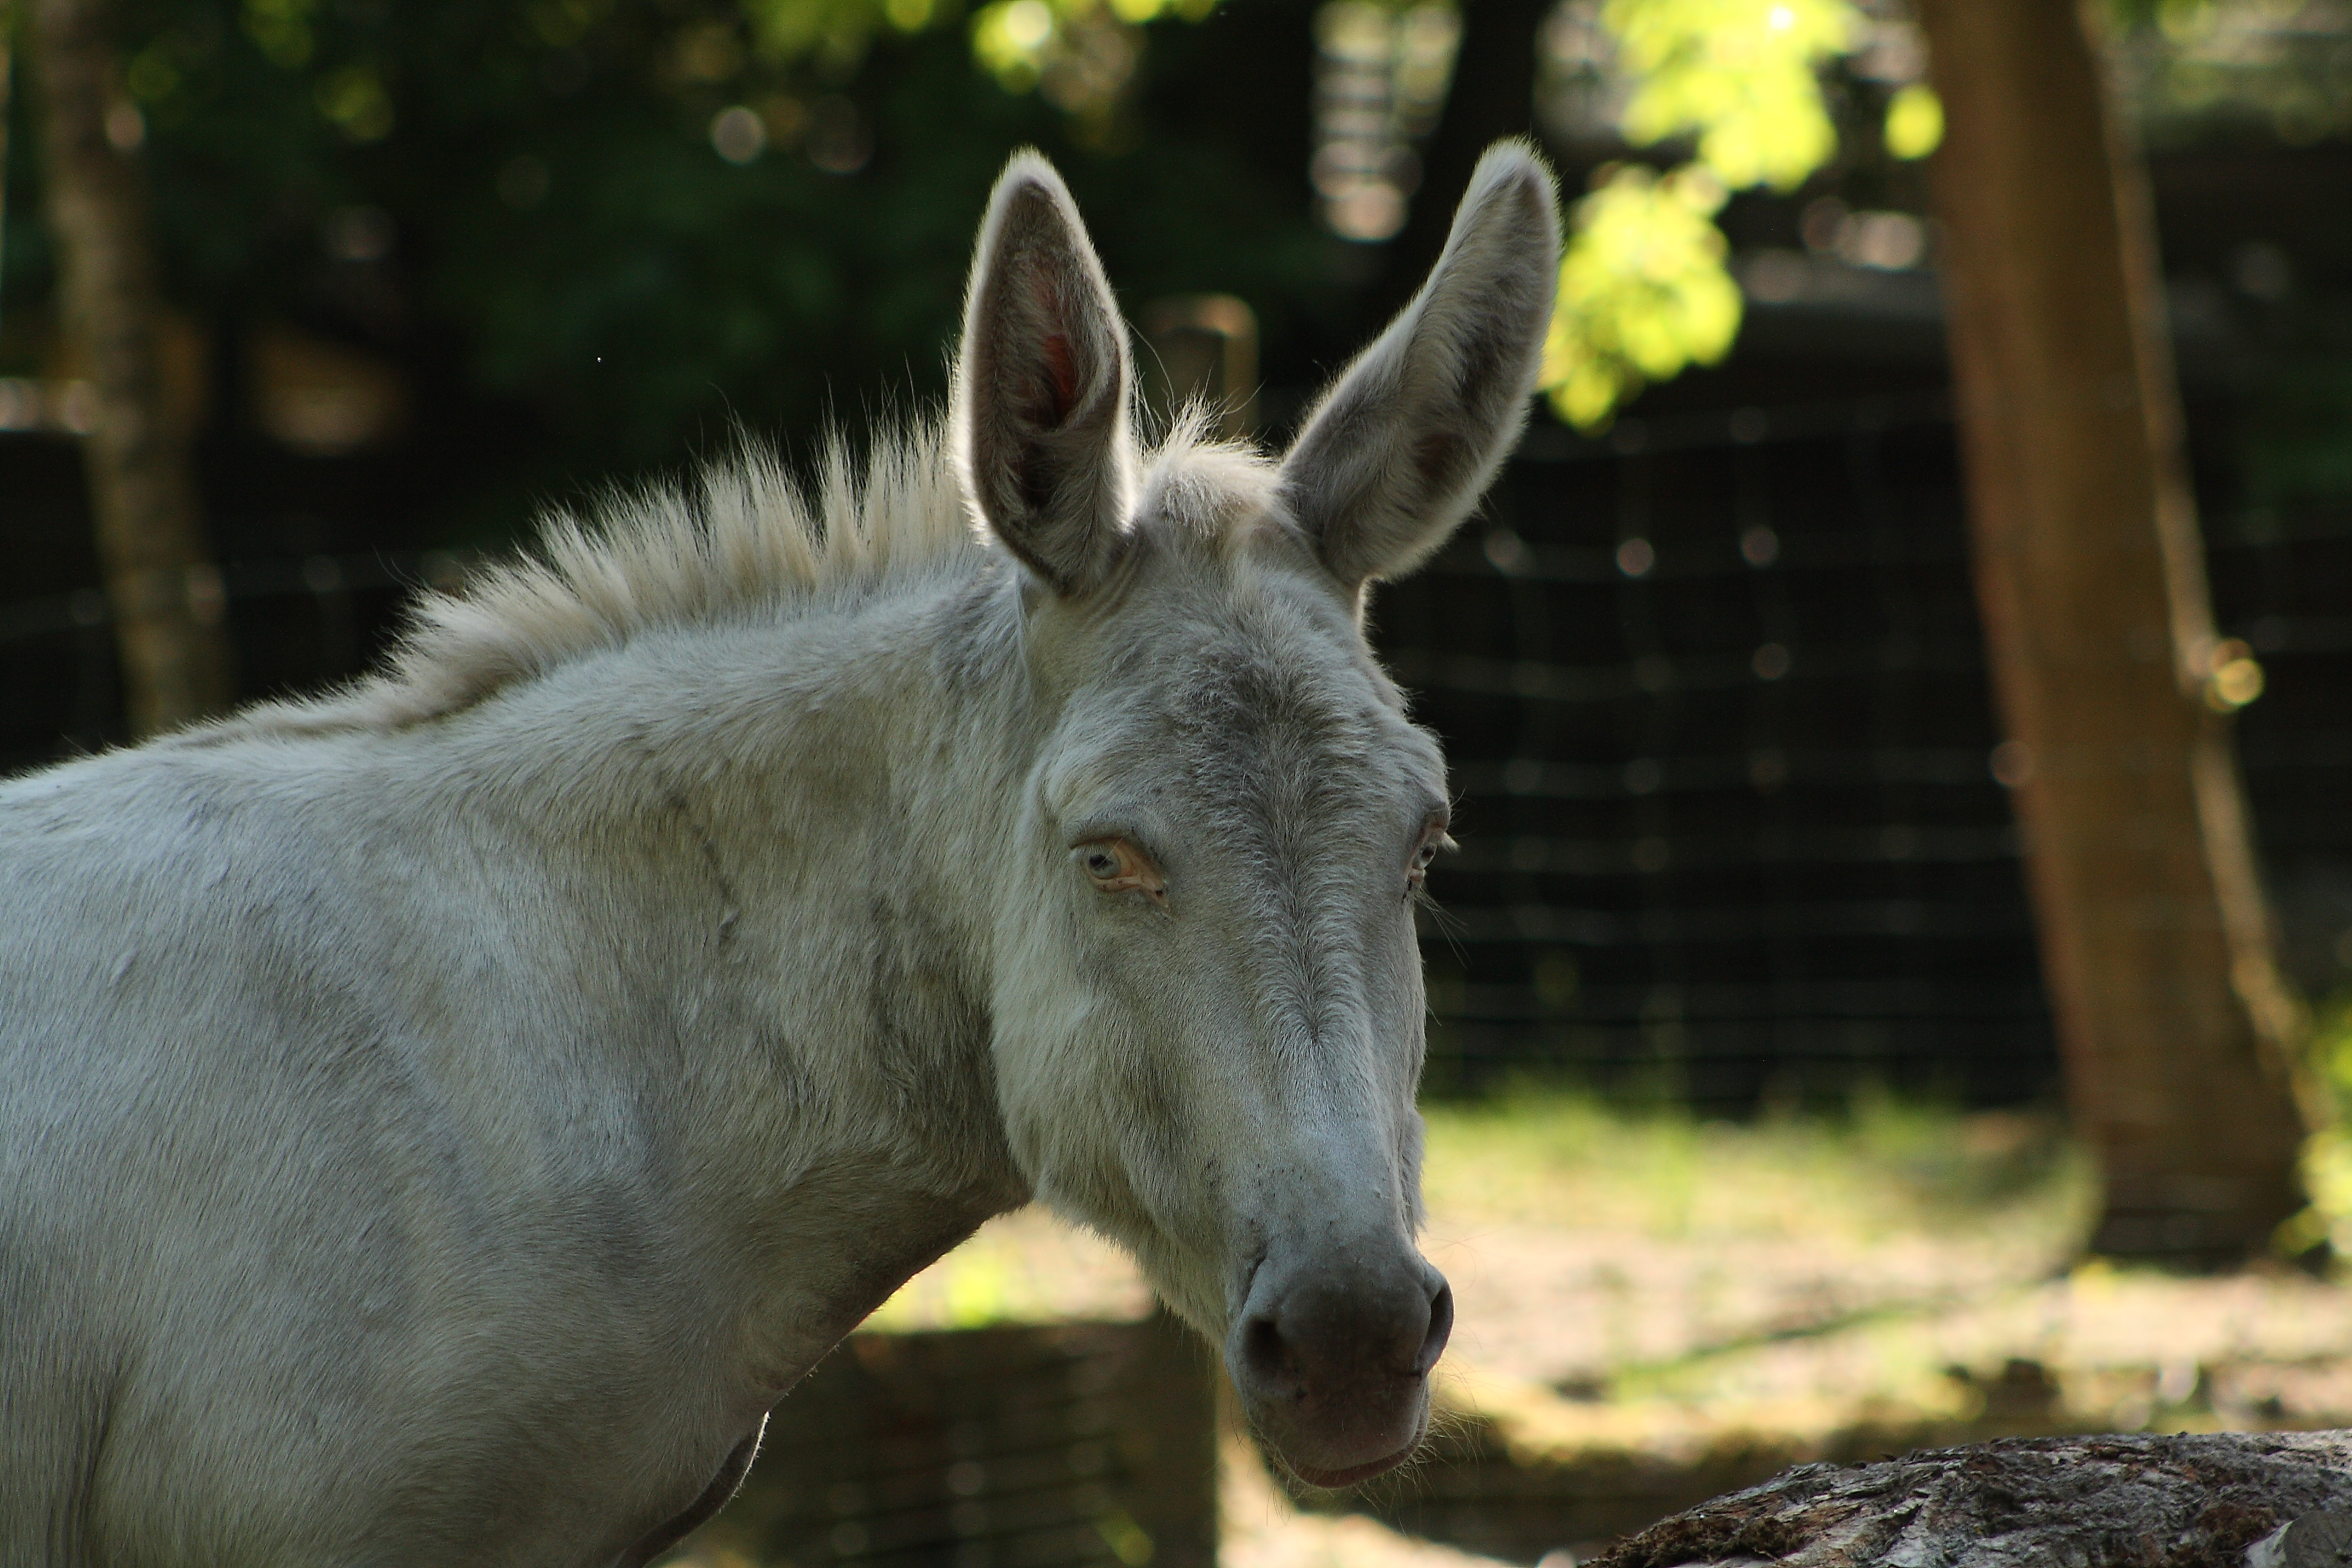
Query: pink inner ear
(1061,357)
(1062,366)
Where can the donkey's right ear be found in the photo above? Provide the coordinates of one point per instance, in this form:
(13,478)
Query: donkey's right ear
(1402,447)
(1041,387)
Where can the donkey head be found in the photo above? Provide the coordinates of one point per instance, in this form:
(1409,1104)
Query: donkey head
(1207,992)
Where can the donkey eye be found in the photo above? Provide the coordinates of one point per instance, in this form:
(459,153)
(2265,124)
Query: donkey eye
(1432,839)
(1115,866)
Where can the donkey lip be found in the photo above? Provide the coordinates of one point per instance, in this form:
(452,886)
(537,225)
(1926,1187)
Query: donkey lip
(1348,1474)
(1332,1480)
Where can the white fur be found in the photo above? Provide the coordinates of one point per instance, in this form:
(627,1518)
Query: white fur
(439,1121)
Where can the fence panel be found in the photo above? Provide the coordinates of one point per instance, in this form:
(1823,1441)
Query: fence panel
(1716,698)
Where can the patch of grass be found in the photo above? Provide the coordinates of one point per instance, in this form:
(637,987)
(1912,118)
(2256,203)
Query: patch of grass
(2327,1152)
(1883,1166)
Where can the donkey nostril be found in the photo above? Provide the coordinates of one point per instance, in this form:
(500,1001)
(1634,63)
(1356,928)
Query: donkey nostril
(1441,1328)
(1268,1360)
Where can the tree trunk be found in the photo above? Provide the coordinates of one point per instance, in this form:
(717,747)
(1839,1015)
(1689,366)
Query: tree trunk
(2094,1502)
(2175,1028)
(7,35)
(164,590)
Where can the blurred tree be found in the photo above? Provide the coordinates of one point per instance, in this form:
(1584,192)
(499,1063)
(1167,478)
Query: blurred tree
(617,210)
(8,79)
(1645,290)
(591,231)
(2177,1032)
(164,589)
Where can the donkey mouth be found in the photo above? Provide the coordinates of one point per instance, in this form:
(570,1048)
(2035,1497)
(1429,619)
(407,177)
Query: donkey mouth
(1332,1480)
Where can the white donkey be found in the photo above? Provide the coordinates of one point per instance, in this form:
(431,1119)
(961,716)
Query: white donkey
(438,1122)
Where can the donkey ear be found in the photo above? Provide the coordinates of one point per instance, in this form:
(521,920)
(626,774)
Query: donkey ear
(1405,443)
(1041,386)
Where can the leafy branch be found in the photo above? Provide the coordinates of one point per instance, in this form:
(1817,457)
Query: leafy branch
(1644,289)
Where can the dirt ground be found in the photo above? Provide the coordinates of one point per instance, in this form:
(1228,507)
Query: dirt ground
(1790,1295)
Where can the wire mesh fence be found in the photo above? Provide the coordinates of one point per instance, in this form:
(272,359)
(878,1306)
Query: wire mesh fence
(299,624)
(1716,701)
(1087,1445)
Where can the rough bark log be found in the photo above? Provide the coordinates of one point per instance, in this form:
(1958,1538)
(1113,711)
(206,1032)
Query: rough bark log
(2175,1029)
(164,588)
(2083,1502)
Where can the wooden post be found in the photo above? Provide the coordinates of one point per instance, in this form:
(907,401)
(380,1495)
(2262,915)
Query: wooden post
(164,588)
(2176,1029)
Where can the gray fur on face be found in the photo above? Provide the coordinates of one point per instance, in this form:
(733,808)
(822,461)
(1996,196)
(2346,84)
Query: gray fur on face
(437,1120)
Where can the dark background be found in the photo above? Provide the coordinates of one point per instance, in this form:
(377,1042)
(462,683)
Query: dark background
(1682,874)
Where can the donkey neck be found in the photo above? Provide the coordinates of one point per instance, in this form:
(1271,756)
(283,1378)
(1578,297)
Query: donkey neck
(796,816)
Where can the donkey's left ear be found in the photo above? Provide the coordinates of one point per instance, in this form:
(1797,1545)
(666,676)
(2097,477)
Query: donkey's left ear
(1401,448)
(1041,387)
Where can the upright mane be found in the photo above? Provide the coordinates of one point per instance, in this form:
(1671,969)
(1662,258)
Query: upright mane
(743,534)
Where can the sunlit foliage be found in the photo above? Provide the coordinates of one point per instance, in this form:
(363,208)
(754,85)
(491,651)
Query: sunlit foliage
(2327,1152)
(1021,41)
(1914,122)
(1083,52)
(1738,75)
(1643,290)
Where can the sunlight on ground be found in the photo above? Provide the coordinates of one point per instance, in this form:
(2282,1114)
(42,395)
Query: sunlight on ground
(1659,1283)
(1257,1527)
(1021,1267)
(1645,1282)
(1885,1168)
(1723,1220)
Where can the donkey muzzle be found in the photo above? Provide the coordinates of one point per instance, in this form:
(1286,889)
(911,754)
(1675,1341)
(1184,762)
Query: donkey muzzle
(1332,1362)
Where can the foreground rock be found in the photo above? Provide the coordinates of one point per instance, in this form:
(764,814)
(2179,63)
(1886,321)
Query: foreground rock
(2087,1502)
